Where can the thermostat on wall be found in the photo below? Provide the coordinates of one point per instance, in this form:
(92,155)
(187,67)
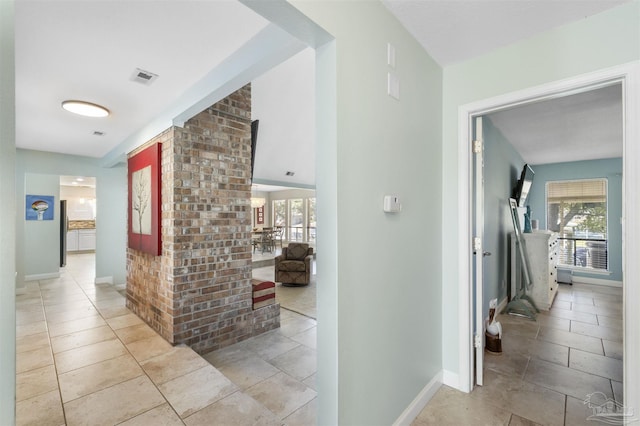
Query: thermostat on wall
(392,204)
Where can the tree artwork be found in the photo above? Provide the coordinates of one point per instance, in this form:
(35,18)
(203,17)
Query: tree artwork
(141,201)
(143,218)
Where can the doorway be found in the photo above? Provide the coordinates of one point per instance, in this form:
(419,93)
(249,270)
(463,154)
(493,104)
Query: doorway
(78,216)
(627,77)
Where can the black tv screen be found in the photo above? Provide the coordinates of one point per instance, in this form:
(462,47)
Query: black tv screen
(523,186)
(254,140)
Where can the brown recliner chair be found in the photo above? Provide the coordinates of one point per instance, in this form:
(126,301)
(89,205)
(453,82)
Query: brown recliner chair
(293,266)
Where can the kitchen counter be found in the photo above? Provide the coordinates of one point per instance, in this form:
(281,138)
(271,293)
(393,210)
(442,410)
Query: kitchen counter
(82,224)
(81,239)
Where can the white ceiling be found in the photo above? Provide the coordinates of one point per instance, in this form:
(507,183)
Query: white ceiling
(583,126)
(277,96)
(457,30)
(89,50)
(87,181)
(571,128)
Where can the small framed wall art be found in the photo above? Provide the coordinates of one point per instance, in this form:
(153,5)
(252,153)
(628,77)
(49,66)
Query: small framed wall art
(260,215)
(39,207)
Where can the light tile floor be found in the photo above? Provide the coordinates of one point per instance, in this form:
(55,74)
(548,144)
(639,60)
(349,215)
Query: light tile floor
(547,368)
(84,358)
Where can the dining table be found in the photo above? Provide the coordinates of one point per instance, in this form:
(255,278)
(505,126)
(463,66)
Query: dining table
(263,237)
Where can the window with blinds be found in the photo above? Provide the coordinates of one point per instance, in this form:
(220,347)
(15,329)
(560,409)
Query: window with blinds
(577,211)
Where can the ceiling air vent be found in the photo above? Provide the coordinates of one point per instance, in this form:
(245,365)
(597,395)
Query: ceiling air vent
(290,173)
(144,77)
(98,133)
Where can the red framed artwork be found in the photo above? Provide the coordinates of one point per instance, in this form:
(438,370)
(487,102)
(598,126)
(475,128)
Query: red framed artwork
(260,215)
(144,200)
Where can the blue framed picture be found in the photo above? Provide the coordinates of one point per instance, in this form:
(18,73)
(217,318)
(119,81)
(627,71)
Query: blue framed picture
(39,207)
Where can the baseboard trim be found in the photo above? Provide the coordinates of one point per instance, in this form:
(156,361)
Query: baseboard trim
(576,279)
(103,280)
(420,401)
(451,379)
(36,277)
(502,305)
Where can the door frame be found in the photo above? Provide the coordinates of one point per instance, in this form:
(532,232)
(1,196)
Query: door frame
(477,257)
(629,76)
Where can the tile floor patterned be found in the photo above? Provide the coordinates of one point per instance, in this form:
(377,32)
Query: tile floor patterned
(547,368)
(84,359)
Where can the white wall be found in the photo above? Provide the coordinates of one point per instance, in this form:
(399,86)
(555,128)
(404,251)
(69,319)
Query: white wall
(111,219)
(382,271)
(594,43)
(286,194)
(81,201)
(7,216)
(283,99)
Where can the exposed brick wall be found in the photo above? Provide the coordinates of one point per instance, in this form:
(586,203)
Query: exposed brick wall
(199,291)
(150,292)
(266,318)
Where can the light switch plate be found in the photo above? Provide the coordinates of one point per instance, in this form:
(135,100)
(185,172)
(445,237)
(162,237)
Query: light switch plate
(393,85)
(391,55)
(391,204)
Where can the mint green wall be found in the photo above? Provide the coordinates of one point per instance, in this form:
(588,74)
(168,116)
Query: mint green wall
(601,41)
(502,167)
(111,199)
(388,280)
(40,239)
(610,169)
(7,216)
(327,211)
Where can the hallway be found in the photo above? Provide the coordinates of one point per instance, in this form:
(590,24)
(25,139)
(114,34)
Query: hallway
(84,358)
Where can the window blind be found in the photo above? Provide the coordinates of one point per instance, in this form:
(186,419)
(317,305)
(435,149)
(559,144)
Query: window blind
(582,191)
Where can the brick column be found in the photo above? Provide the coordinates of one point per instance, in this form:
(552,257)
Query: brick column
(198,292)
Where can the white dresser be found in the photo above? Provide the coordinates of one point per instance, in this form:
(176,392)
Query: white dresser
(542,250)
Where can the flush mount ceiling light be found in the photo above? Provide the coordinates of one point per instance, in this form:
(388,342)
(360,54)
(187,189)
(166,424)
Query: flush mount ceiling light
(85,108)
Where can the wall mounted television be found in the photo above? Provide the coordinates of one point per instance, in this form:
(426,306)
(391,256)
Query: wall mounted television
(523,186)
(254,141)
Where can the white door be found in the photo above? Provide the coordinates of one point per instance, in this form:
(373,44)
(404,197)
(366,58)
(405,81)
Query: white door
(478,246)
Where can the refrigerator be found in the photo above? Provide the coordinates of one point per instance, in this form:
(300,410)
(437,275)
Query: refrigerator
(64,223)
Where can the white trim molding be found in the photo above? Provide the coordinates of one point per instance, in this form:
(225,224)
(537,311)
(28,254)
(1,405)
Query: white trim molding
(36,277)
(503,304)
(629,76)
(576,279)
(103,280)
(631,237)
(451,379)
(420,401)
